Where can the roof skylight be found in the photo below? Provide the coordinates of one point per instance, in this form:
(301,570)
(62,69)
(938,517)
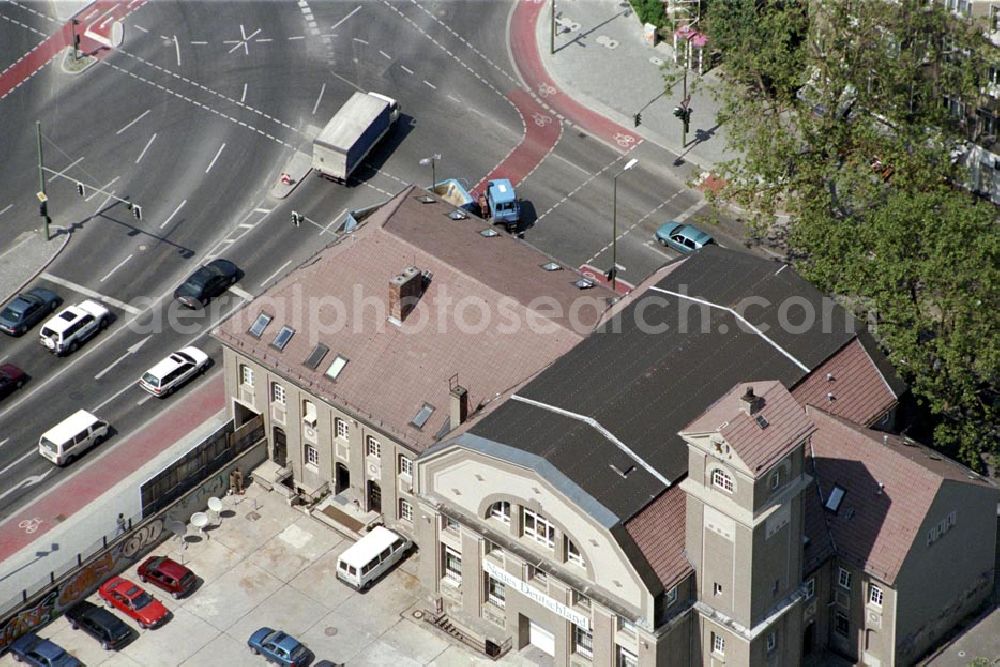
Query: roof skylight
(316,356)
(284,335)
(336,366)
(258,326)
(489,233)
(834,499)
(425,412)
(551,266)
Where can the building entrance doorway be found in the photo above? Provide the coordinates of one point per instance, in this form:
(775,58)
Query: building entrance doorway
(280,447)
(808,638)
(374,496)
(343,478)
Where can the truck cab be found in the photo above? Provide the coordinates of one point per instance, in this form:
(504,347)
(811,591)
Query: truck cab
(502,203)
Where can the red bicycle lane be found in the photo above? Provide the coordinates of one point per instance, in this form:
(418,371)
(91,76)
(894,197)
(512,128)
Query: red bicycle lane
(527,59)
(104,13)
(129,455)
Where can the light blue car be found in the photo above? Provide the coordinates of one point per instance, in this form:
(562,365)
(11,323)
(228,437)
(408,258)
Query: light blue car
(682,237)
(280,647)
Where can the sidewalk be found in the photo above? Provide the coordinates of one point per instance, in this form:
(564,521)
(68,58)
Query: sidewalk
(47,534)
(602,61)
(26,258)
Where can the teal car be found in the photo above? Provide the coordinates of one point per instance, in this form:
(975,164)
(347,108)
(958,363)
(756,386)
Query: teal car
(682,237)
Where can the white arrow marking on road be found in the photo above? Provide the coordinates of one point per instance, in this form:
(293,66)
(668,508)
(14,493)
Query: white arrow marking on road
(27,482)
(243,98)
(120,265)
(132,349)
(212,163)
(33,452)
(171,216)
(177,49)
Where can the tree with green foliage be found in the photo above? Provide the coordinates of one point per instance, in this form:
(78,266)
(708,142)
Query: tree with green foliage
(837,112)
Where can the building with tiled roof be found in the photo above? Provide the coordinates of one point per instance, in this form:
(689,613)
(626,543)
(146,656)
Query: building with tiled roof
(388,339)
(650,497)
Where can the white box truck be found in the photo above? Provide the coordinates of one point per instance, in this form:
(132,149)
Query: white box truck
(351,134)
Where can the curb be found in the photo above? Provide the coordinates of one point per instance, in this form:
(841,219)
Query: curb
(41,269)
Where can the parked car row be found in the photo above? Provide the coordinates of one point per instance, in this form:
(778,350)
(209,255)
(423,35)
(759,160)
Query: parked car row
(105,627)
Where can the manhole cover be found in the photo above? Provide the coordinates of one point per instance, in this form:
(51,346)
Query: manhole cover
(656,61)
(418,614)
(143,247)
(329,631)
(60,518)
(611,44)
(252,516)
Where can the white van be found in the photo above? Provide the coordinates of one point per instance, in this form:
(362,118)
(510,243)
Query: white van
(72,437)
(369,557)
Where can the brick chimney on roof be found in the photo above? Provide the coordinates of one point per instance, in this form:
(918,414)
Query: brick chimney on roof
(404,292)
(750,403)
(459,406)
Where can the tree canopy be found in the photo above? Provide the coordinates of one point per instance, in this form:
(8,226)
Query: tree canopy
(842,115)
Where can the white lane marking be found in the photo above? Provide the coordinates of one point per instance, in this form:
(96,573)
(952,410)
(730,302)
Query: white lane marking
(86,291)
(358,39)
(321,91)
(265,39)
(171,216)
(139,27)
(10,250)
(385,55)
(33,452)
(120,265)
(266,280)
(406,69)
(430,84)
(262,210)
(242,293)
(91,13)
(103,15)
(146,147)
(338,23)
(29,481)
(297,37)
(143,400)
(63,172)
(177,49)
(6,208)
(333,222)
(691,210)
(134,121)
(243,97)
(132,349)
(4,441)
(101,191)
(212,163)
(198,42)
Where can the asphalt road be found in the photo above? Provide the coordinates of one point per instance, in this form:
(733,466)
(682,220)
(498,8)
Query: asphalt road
(195,118)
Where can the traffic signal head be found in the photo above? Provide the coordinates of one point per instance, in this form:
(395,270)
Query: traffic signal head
(678,112)
(79,188)
(296,218)
(43,209)
(137,212)
(638,119)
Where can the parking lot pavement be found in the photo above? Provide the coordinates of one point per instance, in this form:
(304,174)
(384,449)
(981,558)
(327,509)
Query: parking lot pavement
(265,563)
(978,645)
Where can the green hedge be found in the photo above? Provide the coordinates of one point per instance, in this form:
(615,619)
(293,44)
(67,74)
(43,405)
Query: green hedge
(649,11)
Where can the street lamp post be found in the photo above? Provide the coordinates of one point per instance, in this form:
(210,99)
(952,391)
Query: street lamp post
(613,271)
(432,160)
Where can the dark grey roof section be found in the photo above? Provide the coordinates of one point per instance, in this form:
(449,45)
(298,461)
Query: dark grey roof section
(882,363)
(645,383)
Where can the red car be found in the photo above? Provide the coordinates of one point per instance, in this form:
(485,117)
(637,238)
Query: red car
(169,575)
(11,378)
(131,599)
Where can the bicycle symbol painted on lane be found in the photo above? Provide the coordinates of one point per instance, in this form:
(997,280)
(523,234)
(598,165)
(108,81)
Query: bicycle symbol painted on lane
(30,525)
(541,120)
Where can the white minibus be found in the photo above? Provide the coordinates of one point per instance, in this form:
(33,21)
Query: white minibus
(368,558)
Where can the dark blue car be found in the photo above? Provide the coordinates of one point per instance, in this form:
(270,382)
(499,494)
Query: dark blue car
(27,309)
(280,647)
(34,650)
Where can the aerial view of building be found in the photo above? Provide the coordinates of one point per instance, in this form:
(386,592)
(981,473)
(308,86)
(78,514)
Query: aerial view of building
(537,333)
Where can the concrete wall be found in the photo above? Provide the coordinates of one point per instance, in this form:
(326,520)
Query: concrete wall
(949,579)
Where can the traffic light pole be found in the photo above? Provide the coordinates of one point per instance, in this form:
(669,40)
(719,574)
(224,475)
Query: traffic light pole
(42,197)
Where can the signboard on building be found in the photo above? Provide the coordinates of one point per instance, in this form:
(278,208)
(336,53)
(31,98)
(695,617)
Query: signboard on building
(522,587)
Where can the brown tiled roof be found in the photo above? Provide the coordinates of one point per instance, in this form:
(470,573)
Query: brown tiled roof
(859,390)
(875,528)
(392,370)
(658,531)
(758,443)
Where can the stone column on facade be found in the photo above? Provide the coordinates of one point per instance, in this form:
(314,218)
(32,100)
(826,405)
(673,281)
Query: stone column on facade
(472,575)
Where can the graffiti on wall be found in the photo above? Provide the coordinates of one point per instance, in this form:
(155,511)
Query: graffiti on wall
(39,613)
